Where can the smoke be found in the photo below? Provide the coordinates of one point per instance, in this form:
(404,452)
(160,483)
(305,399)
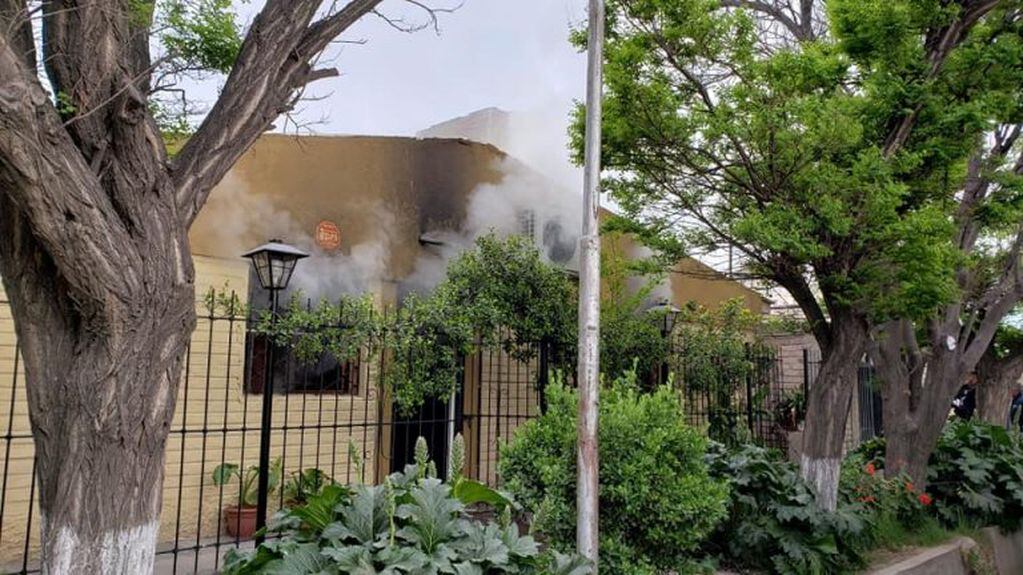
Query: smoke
(238,217)
(660,292)
(329,274)
(522,202)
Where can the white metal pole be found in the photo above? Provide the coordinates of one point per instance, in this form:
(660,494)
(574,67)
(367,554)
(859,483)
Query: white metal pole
(589,300)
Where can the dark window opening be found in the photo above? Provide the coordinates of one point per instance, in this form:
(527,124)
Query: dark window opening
(294,375)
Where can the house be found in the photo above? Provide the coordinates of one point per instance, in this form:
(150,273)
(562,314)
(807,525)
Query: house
(380,215)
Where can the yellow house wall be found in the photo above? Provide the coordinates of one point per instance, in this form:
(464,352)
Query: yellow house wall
(213,399)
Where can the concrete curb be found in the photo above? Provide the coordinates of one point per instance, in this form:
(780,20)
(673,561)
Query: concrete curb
(944,559)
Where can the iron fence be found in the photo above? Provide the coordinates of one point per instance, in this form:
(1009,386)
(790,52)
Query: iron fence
(332,421)
(327,415)
(734,398)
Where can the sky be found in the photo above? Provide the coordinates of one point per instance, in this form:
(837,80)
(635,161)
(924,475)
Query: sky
(511,54)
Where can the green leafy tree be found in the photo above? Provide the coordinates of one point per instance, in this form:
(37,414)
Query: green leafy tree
(716,355)
(827,146)
(632,337)
(94,218)
(501,293)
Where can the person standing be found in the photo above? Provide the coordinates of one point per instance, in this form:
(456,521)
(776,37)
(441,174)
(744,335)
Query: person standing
(965,402)
(1016,410)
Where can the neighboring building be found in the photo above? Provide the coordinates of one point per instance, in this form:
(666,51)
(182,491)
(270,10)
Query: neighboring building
(380,215)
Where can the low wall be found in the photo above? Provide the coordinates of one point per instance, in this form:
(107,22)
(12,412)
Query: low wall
(947,559)
(1007,550)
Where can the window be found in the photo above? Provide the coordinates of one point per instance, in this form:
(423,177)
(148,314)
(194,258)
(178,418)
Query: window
(527,223)
(292,375)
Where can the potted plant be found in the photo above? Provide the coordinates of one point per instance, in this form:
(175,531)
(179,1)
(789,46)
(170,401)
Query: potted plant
(791,410)
(240,516)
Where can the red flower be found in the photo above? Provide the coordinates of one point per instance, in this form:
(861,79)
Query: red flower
(909,487)
(925,499)
(870,469)
(868,499)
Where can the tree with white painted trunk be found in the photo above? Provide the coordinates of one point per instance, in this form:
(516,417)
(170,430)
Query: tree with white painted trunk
(824,146)
(94,216)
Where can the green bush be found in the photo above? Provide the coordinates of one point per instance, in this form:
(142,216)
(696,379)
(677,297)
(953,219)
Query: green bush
(412,525)
(974,476)
(657,502)
(774,523)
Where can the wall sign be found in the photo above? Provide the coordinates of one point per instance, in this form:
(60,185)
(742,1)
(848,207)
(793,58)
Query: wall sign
(328,236)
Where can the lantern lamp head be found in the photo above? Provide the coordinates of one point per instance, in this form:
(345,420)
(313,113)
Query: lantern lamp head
(274,262)
(668,312)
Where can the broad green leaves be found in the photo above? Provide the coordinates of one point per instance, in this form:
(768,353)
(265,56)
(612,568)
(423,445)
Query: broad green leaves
(411,525)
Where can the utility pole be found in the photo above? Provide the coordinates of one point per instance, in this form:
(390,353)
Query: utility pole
(589,300)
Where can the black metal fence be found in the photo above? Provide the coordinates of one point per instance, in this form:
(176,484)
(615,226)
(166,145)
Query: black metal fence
(331,420)
(868,407)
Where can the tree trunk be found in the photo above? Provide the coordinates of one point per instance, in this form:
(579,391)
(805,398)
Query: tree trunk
(912,431)
(101,408)
(101,388)
(828,410)
(997,380)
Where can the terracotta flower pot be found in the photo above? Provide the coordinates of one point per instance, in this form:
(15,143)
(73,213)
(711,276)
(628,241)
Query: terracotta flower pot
(240,522)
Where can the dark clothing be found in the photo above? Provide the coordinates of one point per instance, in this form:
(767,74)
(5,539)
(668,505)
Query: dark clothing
(1016,412)
(965,402)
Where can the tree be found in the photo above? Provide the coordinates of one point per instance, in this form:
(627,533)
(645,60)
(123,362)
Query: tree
(999,372)
(825,146)
(923,362)
(94,252)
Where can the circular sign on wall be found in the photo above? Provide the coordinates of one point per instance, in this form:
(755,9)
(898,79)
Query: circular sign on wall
(328,235)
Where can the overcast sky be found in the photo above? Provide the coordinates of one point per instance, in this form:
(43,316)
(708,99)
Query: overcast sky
(512,54)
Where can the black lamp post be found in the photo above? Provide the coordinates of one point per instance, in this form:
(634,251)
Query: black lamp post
(668,314)
(274,263)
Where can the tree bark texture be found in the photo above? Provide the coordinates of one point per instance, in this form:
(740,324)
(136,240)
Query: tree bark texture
(998,380)
(916,400)
(828,408)
(94,251)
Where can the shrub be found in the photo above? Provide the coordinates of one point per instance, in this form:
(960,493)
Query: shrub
(657,502)
(898,512)
(413,524)
(974,476)
(774,523)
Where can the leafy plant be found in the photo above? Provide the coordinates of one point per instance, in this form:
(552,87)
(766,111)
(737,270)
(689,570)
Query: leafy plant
(500,293)
(716,356)
(774,523)
(412,524)
(248,480)
(974,475)
(303,484)
(895,504)
(657,502)
(791,409)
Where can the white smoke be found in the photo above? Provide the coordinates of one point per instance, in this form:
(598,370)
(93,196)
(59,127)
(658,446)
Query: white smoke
(236,210)
(503,209)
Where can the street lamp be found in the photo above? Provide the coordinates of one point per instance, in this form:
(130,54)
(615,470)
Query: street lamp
(274,263)
(668,313)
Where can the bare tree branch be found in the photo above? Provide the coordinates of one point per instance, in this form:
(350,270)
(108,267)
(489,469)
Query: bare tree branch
(274,62)
(998,301)
(775,10)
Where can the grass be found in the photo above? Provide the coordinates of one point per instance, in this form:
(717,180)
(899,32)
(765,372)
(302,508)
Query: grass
(892,535)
